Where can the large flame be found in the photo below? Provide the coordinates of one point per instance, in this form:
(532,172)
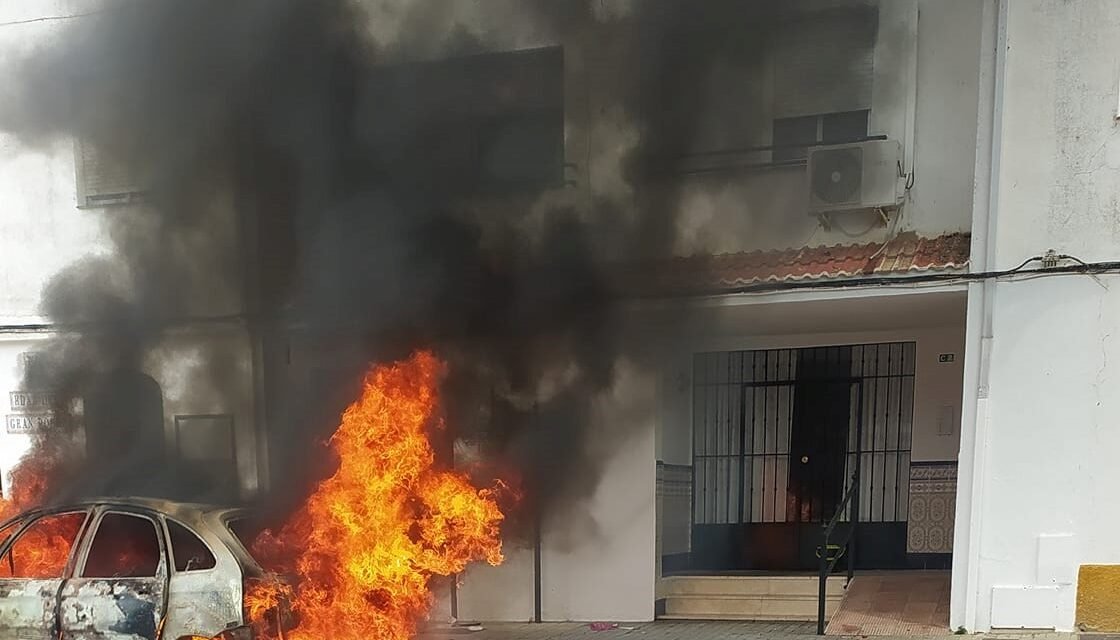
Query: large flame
(366,544)
(30,479)
(43,551)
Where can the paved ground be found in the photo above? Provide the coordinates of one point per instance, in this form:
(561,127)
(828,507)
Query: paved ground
(661,630)
(903,603)
(670,630)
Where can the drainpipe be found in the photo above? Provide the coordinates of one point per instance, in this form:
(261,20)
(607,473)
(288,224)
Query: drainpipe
(909,151)
(455,597)
(975,427)
(537,571)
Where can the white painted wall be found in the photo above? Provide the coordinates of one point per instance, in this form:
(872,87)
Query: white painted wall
(926,63)
(42,231)
(945,128)
(12,446)
(178,365)
(1043,456)
(925,95)
(598,555)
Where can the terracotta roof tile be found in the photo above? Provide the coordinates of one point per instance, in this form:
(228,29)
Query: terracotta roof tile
(906,253)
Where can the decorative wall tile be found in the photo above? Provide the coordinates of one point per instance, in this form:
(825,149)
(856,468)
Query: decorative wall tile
(933,504)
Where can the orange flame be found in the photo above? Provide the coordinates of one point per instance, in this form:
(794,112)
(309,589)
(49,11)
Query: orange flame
(42,552)
(30,480)
(364,547)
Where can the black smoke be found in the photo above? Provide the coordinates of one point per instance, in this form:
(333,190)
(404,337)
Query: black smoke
(296,188)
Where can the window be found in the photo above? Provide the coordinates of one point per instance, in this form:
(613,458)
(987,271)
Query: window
(189,551)
(43,549)
(524,149)
(476,124)
(125,546)
(823,67)
(102,181)
(246,530)
(209,442)
(824,61)
(793,136)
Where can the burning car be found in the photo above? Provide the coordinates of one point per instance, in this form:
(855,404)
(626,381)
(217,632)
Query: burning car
(358,556)
(128,569)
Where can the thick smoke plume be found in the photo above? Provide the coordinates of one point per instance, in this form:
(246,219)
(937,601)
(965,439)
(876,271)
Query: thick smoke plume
(293,188)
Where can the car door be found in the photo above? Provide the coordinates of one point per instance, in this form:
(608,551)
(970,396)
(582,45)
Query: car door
(119,588)
(33,565)
(200,575)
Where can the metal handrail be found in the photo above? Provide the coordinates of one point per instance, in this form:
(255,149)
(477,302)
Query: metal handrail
(847,547)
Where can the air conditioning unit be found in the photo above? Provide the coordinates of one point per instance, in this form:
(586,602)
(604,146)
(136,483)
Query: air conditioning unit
(859,175)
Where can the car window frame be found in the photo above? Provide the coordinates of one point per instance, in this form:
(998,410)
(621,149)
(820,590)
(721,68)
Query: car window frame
(173,570)
(93,523)
(28,519)
(16,525)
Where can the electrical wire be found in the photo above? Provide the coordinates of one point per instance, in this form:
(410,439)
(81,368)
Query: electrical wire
(896,225)
(1016,273)
(69,16)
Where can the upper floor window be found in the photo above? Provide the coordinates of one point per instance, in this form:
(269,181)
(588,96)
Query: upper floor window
(102,180)
(824,62)
(491,122)
(823,71)
(793,136)
(756,77)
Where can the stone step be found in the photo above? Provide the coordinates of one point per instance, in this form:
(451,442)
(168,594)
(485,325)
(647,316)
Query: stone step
(756,617)
(750,586)
(769,607)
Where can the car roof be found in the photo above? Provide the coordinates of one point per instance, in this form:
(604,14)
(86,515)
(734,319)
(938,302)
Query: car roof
(188,511)
(155,504)
(214,517)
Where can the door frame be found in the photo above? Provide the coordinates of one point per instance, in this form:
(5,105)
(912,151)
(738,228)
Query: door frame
(883,411)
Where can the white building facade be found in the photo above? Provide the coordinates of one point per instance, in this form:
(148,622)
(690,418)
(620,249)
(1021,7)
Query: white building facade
(1037,465)
(981,411)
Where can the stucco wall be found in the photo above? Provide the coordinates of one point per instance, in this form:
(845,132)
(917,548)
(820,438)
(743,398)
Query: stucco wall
(181,365)
(41,230)
(1043,497)
(924,95)
(13,445)
(598,555)
(926,67)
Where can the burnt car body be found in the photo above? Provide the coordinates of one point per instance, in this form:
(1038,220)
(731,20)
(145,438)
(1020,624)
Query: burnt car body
(134,568)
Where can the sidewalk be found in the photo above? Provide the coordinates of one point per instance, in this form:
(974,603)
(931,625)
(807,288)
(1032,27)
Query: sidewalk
(673,630)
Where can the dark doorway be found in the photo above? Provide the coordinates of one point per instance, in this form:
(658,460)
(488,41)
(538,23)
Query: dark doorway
(777,436)
(821,418)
